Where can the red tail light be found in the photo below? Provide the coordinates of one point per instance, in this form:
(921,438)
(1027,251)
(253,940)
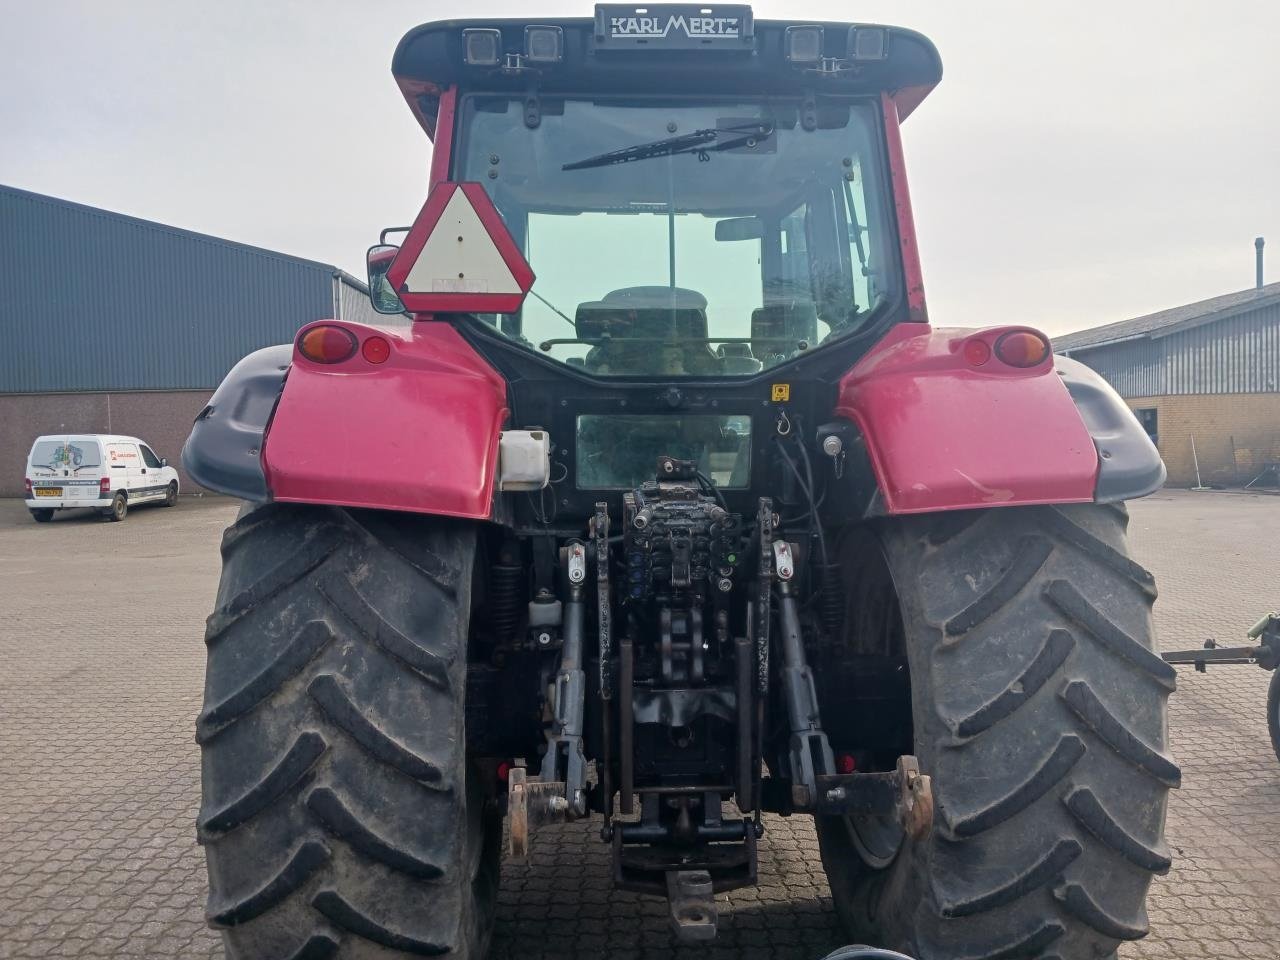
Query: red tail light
(376,350)
(104,486)
(976,352)
(327,344)
(26,483)
(1022,348)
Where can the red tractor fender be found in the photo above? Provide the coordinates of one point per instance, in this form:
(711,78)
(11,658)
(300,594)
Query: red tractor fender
(945,426)
(418,431)
(943,432)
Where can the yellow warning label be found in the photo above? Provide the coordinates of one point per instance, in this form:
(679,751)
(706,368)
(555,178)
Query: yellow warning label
(781,392)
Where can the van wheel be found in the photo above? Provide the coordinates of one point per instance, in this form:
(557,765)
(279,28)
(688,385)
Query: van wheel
(42,514)
(171,495)
(340,816)
(119,508)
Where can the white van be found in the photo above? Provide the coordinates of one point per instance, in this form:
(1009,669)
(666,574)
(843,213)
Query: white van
(103,472)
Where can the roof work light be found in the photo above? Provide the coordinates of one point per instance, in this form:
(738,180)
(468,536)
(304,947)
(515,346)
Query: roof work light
(803,44)
(543,44)
(482,46)
(868,43)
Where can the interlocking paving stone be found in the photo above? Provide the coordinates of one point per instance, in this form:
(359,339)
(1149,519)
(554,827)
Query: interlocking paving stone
(101,666)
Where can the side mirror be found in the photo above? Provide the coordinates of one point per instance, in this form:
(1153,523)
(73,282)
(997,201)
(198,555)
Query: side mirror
(164,461)
(740,228)
(381,294)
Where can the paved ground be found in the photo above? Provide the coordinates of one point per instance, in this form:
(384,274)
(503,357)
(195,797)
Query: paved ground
(100,678)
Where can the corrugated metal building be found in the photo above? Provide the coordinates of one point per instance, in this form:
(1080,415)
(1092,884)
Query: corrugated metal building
(118,325)
(1204,379)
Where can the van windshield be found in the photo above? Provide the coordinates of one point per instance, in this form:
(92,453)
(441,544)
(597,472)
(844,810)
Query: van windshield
(686,238)
(58,455)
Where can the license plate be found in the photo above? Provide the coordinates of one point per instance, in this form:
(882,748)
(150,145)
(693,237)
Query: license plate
(48,491)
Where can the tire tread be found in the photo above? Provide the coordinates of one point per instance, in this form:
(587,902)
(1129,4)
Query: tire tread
(305,646)
(328,692)
(306,860)
(336,791)
(342,914)
(1075,898)
(1088,809)
(329,810)
(291,770)
(1085,703)
(1017,683)
(1031,553)
(1076,607)
(1057,647)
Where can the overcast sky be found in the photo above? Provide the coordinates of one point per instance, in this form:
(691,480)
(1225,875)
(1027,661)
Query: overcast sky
(1080,163)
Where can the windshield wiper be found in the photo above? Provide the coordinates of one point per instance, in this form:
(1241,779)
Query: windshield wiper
(554,309)
(701,142)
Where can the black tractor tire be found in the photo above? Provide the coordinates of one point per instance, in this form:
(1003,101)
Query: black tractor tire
(339,815)
(171,494)
(41,514)
(118,510)
(1273,712)
(1039,711)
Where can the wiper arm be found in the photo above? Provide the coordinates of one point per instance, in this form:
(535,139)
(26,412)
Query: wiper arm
(556,310)
(695,142)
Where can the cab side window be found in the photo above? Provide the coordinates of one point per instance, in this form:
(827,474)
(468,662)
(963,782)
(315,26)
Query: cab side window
(149,458)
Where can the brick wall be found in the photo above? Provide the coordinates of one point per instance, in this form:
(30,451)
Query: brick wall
(162,419)
(1234,434)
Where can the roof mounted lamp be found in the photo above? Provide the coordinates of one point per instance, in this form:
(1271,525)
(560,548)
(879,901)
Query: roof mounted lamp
(803,45)
(543,44)
(482,46)
(868,44)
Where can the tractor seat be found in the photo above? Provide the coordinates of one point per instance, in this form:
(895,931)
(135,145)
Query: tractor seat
(668,327)
(737,358)
(778,328)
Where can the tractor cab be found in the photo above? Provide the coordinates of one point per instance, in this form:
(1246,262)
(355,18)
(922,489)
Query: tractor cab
(699,195)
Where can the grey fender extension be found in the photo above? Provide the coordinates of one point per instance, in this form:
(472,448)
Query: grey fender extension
(1129,466)
(224,451)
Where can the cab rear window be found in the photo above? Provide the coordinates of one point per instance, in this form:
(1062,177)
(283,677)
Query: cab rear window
(65,455)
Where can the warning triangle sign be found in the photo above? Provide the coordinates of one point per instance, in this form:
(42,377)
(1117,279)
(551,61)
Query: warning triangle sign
(459,256)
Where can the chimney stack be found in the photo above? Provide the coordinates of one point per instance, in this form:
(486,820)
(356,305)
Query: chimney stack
(1258,244)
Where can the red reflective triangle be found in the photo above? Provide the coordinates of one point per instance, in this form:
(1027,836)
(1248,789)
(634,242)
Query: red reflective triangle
(468,278)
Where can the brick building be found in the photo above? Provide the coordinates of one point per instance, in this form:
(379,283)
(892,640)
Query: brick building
(1205,374)
(118,325)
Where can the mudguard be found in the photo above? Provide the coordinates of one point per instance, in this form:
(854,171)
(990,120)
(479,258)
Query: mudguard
(418,431)
(1129,464)
(224,451)
(944,434)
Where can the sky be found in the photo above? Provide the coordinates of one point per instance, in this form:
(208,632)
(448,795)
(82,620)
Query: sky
(1079,164)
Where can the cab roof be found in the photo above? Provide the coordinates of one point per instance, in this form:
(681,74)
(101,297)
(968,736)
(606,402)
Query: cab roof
(430,59)
(82,437)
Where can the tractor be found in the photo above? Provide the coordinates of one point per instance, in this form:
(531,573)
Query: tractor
(657,500)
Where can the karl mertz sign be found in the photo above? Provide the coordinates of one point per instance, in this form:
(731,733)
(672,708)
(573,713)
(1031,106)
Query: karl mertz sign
(674,27)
